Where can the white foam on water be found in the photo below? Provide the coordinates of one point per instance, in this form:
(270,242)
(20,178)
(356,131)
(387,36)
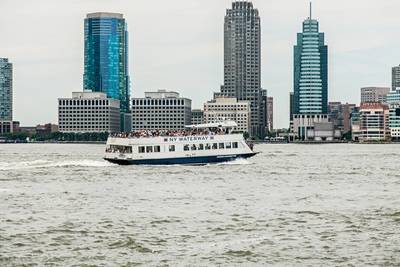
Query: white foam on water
(4,190)
(239,161)
(7,166)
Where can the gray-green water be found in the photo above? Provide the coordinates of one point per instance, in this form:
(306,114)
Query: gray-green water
(293,205)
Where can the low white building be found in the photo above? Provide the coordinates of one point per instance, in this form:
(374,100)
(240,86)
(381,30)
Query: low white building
(228,108)
(88,112)
(161,110)
(316,127)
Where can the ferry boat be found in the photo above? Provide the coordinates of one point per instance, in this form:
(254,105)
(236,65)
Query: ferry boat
(197,144)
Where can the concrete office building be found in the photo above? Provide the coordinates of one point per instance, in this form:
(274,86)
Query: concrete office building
(229,108)
(374,94)
(6,96)
(304,124)
(374,122)
(88,112)
(161,110)
(242,61)
(197,116)
(310,70)
(395,77)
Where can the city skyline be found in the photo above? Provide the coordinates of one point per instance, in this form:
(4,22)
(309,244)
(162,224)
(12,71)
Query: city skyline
(175,60)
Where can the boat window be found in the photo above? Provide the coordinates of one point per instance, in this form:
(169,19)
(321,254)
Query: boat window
(193,147)
(215,146)
(235,145)
(149,149)
(141,149)
(157,149)
(171,148)
(221,145)
(208,146)
(201,147)
(186,148)
(119,149)
(228,145)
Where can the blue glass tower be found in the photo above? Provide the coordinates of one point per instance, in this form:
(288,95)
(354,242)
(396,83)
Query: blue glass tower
(106,57)
(310,70)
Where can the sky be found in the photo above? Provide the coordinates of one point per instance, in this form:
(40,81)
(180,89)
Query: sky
(178,45)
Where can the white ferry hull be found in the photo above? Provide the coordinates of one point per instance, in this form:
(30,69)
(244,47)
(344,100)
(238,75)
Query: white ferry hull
(180,161)
(167,150)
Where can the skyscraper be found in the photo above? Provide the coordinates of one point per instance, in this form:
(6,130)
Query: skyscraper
(6,90)
(310,70)
(242,61)
(106,57)
(270,114)
(395,78)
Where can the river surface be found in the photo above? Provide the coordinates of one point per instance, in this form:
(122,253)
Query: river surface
(292,205)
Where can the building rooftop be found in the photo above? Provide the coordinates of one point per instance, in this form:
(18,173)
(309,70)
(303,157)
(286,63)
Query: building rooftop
(104,15)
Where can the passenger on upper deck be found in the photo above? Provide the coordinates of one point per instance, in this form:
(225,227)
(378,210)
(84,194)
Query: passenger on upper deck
(169,133)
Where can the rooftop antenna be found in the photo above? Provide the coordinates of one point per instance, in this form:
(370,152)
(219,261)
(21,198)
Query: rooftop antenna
(310,10)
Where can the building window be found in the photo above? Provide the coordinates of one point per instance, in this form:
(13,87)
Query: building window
(157,149)
(149,149)
(221,145)
(235,145)
(186,148)
(215,146)
(172,148)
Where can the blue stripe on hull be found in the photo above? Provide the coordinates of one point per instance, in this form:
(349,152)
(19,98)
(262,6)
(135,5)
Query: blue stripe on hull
(187,160)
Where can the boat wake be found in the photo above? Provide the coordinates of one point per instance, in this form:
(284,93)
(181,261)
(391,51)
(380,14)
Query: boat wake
(239,161)
(38,164)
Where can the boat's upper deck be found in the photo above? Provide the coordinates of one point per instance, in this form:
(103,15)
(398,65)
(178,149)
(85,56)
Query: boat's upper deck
(170,133)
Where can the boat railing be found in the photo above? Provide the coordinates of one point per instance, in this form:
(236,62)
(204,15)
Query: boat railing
(180,133)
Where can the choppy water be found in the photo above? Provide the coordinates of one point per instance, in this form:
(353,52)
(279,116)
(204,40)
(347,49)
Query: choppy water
(293,205)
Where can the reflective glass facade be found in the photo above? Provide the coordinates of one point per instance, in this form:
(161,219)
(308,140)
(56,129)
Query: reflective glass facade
(106,57)
(310,70)
(6,93)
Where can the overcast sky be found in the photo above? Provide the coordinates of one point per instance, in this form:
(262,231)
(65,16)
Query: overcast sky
(178,45)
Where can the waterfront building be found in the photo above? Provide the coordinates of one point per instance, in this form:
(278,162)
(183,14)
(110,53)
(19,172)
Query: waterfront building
(374,94)
(374,122)
(242,61)
(197,116)
(355,124)
(317,127)
(6,96)
(310,70)
(340,115)
(161,110)
(229,108)
(270,114)
(395,77)
(106,57)
(393,99)
(89,112)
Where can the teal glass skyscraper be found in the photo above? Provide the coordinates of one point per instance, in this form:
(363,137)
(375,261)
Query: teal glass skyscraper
(310,70)
(106,57)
